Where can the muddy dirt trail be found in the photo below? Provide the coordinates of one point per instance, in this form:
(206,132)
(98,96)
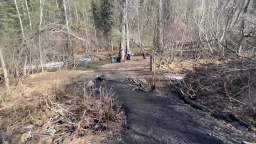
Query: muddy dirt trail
(154,118)
(157,119)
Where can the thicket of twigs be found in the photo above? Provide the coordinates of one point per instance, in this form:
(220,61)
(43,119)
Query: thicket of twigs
(67,117)
(228,87)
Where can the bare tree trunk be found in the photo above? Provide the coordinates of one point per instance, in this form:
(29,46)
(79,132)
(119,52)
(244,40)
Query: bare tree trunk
(68,45)
(25,66)
(86,33)
(122,46)
(152,63)
(201,24)
(21,27)
(112,46)
(21,24)
(228,21)
(30,57)
(76,14)
(138,26)
(153,69)
(39,36)
(6,78)
(139,30)
(29,17)
(30,50)
(242,27)
(32,40)
(127,28)
(96,40)
(160,27)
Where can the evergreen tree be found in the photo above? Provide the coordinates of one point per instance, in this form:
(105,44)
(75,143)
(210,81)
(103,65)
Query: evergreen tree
(102,16)
(8,21)
(96,15)
(106,15)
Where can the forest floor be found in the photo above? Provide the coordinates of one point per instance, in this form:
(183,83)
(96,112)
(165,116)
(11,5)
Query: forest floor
(154,117)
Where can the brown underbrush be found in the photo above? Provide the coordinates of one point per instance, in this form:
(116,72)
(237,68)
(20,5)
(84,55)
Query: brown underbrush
(228,87)
(68,111)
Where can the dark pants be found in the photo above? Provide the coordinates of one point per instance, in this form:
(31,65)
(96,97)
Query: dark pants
(129,57)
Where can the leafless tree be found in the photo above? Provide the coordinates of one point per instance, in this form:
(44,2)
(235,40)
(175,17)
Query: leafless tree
(20,20)
(123,30)
(41,2)
(70,59)
(6,77)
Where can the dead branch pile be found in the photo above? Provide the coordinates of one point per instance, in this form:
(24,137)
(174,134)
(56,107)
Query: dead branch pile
(139,84)
(70,116)
(228,87)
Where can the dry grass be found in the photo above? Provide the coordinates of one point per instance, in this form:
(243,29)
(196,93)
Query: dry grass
(228,87)
(57,108)
(183,66)
(38,86)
